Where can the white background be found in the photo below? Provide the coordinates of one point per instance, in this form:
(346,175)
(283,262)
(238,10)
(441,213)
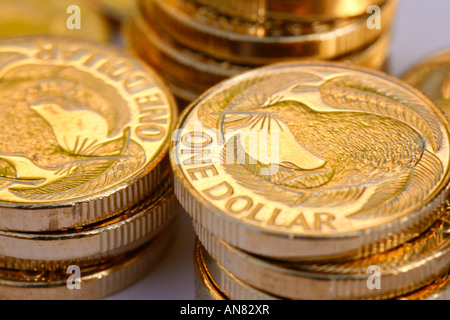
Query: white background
(422,28)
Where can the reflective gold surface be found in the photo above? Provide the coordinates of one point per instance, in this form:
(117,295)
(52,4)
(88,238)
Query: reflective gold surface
(411,266)
(252,45)
(89,246)
(190,73)
(361,161)
(438,290)
(432,77)
(175,62)
(373,56)
(301,10)
(96,282)
(225,282)
(204,287)
(84,132)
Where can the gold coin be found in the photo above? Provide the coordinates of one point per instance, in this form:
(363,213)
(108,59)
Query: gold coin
(432,76)
(228,40)
(95,282)
(438,290)
(312,161)
(204,287)
(84,132)
(174,61)
(30,17)
(373,56)
(402,270)
(235,289)
(302,10)
(89,246)
(226,283)
(188,73)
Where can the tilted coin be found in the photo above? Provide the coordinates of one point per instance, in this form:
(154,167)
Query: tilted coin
(312,161)
(226,283)
(438,290)
(83,135)
(303,10)
(223,41)
(89,246)
(95,282)
(30,17)
(409,267)
(432,76)
(204,287)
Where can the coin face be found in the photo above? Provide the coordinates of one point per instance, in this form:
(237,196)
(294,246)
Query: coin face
(432,76)
(312,160)
(80,122)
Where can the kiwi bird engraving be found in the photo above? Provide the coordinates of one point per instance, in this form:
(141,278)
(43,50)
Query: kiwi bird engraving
(359,153)
(59,148)
(79,131)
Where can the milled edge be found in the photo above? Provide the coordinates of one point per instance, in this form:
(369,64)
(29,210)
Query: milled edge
(396,282)
(212,41)
(204,287)
(114,239)
(92,211)
(101,282)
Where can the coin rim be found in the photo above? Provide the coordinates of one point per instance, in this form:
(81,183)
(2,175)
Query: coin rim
(85,206)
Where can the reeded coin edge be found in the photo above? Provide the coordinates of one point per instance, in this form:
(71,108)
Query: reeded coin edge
(204,287)
(48,252)
(438,290)
(185,67)
(226,282)
(433,61)
(396,282)
(92,208)
(218,43)
(250,10)
(98,283)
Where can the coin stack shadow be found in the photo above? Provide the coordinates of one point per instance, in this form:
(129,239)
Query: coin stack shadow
(195,44)
(99,219)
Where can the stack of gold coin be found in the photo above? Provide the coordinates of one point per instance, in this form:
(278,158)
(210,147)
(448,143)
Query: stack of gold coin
(86,198)
(195,44)
(316,181)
